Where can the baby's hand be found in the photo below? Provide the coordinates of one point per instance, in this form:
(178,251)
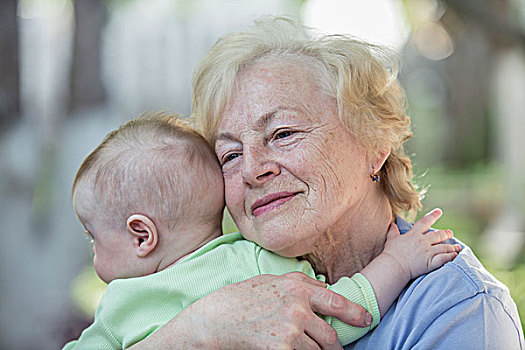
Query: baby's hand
(419,251)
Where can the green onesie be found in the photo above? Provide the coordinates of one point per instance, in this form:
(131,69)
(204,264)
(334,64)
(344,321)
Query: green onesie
(133,308)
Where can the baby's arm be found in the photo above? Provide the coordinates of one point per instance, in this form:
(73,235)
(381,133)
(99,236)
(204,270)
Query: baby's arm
(407,256)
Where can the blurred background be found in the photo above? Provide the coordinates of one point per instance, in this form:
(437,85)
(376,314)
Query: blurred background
(71,71)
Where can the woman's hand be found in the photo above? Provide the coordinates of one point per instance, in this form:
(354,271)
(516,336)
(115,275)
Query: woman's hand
(267,311)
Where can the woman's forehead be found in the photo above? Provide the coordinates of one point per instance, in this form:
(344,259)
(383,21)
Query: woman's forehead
(266,89)
(278,70)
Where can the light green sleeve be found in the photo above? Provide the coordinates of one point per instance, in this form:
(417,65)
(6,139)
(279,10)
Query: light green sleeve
(96,336)
(357,289)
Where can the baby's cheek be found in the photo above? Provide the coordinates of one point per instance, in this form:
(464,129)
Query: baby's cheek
(98,269)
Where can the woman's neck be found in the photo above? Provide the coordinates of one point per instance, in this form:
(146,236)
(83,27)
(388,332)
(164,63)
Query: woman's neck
(353,242)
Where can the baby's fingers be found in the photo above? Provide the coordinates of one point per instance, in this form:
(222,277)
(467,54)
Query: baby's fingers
(440,260)
(438,236)
(443,253)
(445,248)
(423,224)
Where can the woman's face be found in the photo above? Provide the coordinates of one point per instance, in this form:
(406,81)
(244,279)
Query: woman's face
(291,169)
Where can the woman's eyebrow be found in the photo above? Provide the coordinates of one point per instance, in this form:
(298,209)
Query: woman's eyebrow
(225,136)
(261,123)
(265,119)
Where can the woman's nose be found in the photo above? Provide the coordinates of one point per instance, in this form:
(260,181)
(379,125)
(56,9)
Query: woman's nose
(258,167)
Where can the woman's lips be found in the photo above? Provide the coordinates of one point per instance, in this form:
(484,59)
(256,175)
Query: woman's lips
(271,202)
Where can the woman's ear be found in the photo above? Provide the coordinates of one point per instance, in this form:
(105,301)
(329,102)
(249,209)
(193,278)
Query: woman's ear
(144,233)
(379,161)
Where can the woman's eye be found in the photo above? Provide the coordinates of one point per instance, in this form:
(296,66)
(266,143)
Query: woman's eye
(283,134)
(230,157)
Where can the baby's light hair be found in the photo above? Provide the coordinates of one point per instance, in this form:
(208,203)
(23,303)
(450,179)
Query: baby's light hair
(360,76)
(156,165)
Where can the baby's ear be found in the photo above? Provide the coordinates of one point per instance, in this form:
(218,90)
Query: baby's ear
(144,232)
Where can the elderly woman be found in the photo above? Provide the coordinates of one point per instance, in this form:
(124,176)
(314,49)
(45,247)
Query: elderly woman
(309,132)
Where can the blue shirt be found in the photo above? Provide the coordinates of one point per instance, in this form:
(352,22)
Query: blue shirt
(458,306)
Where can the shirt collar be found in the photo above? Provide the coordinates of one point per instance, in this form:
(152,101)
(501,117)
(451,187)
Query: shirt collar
(403,225)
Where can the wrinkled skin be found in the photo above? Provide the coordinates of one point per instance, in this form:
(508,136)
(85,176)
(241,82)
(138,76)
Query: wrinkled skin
(281,136)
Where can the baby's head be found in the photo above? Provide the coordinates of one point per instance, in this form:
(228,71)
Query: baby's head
(149,194)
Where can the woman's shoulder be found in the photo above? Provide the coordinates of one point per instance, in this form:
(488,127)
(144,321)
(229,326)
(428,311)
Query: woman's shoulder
(461,279)
(466,267)
(462,292)
(460,303)
(465,275)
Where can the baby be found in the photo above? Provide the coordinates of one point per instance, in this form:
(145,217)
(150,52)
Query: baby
(151,197)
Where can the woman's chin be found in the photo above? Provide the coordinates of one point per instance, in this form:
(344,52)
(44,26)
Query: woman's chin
(282,244)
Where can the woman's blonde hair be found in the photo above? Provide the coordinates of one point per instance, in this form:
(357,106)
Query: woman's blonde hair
(362,77)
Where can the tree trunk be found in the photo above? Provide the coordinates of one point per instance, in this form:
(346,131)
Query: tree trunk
(86,83)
